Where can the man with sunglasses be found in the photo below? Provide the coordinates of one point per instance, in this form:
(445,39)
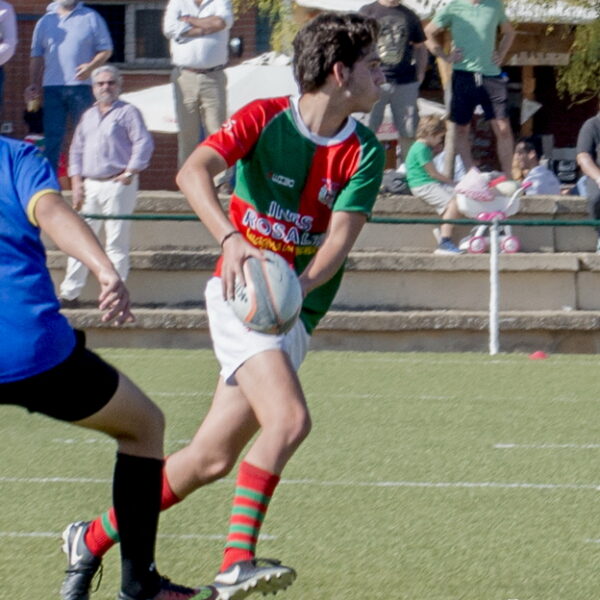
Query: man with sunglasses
(111,145)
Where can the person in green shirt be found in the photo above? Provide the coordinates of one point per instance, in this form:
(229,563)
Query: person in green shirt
(476,76)
(427,183)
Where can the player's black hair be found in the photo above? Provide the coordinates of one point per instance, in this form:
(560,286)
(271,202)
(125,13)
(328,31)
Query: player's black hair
(531,143)
(327,39)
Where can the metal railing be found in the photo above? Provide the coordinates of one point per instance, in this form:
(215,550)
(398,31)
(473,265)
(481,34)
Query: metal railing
(494,226)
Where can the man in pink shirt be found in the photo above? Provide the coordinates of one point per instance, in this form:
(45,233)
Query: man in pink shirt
(111,145)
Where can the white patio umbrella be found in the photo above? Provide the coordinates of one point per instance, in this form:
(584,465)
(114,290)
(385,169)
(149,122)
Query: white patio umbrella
(265,76)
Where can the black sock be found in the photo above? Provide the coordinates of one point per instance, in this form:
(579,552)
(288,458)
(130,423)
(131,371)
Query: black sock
(136,496)
(445,239)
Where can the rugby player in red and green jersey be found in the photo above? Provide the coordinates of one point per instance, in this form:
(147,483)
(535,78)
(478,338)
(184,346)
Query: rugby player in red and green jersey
(307,178)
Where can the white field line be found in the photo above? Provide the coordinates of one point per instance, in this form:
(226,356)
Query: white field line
(376,484)
(547,446)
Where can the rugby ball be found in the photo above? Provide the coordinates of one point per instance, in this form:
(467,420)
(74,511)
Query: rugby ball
(271,300)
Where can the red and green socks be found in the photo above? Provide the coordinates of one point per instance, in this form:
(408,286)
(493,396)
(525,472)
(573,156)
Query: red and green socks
(103,532)
(253,493)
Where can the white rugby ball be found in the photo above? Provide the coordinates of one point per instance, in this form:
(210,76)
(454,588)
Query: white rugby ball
(271,300)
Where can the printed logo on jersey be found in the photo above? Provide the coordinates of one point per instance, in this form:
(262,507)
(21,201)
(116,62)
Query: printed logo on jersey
(279,179)
(280,229)
(328,192)
(229,125)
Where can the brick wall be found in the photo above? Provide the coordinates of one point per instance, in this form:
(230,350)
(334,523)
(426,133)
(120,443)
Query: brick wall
(162,170)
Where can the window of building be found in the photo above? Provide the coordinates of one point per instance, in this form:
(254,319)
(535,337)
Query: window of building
(136,30)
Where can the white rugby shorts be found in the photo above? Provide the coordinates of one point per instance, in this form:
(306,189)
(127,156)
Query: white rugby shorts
(234,343)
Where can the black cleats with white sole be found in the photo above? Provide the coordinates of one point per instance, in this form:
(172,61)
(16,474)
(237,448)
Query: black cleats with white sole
(82,564)
(246,577)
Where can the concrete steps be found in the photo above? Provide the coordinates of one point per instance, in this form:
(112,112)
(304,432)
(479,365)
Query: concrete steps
(396,294)
(383,331)
(385,280)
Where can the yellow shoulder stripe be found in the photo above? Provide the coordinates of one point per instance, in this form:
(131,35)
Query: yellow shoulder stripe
(33,202)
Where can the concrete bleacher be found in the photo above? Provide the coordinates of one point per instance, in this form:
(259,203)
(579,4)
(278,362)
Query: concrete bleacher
(396,295)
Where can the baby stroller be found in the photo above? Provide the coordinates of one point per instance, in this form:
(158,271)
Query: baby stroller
(482,197)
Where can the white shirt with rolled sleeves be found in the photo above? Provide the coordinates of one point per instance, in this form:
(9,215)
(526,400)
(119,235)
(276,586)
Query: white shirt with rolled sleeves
(8,32)
(203,52)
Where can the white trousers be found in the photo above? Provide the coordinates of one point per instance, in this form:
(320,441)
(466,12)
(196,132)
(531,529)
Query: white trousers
(105,198)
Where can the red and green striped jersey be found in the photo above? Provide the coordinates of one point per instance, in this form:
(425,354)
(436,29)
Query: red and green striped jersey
(289,180)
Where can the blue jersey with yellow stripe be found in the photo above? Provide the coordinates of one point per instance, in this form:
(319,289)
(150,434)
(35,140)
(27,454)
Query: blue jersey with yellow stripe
(34,335)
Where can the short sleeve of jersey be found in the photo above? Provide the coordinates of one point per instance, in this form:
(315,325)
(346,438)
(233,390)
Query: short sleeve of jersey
(240,132)
(589,137)
(422,154)
(502,18)
(360,193)
(36,45)
(443,17)
(33,175)
(417,34)
(103,39)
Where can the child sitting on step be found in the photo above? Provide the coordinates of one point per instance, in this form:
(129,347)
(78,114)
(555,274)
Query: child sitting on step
(427,183)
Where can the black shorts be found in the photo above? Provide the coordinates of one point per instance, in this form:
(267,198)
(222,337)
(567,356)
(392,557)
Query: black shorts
(75,389)
(471,89)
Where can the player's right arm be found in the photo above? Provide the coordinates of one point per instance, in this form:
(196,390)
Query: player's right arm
(195,179)
(72,235)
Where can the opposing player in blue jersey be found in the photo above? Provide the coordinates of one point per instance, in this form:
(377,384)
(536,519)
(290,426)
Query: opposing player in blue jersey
(46,368)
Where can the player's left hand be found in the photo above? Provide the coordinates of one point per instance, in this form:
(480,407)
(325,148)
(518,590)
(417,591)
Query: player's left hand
(114,299)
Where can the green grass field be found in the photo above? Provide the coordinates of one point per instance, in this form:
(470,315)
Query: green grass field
(426,477)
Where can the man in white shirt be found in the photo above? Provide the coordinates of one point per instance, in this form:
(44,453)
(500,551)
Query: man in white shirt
(199,34)
(8,40)
(527,159)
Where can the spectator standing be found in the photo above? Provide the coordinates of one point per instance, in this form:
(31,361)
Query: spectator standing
(69,42)
(198,31)
(476,73)
(401,46)
(527,160)
(46,368)
(588,159)
(110,147)
(8,41)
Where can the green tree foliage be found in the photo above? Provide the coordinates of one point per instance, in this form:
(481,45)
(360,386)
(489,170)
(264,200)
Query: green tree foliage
(284,27)
(580,79)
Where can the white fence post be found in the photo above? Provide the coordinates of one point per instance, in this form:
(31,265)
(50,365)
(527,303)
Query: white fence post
(494,288)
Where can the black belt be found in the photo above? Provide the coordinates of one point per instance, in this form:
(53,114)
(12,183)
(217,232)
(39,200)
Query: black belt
(203,71)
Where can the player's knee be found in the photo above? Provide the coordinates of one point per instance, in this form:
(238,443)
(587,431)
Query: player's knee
(298,428)
(150,424)
(219,467)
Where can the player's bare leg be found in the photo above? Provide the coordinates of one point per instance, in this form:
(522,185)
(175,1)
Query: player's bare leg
(270,386)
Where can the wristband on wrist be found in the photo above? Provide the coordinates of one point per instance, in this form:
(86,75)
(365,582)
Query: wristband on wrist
(128,174)
(228,235)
